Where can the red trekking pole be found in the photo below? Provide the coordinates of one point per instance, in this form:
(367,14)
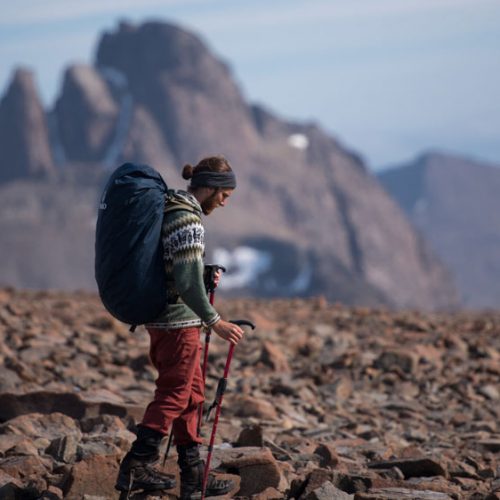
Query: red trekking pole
(221,389)
(211,270)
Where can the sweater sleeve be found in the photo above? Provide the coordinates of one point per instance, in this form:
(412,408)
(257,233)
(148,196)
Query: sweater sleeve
(187,244)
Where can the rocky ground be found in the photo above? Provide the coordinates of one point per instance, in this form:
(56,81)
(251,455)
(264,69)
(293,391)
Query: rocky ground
(323,402)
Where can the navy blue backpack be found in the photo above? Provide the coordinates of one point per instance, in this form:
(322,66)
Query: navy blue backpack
(129,267)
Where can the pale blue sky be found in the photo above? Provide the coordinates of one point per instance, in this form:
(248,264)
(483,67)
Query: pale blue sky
(389,78)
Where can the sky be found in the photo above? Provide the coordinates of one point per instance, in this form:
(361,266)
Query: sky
(390,79)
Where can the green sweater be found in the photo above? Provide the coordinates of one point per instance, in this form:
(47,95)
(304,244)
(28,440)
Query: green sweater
(184,248)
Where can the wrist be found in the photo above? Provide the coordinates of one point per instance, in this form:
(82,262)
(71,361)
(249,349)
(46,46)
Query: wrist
(215,319)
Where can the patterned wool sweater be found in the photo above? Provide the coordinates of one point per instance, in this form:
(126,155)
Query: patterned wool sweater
(183,238)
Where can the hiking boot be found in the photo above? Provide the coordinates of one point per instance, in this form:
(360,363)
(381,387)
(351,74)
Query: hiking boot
(192,470)
(137,475)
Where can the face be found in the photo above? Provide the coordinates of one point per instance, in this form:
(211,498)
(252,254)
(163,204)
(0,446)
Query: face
(217,198)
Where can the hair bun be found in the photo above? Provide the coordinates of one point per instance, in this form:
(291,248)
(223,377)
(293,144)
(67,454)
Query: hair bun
(187,172)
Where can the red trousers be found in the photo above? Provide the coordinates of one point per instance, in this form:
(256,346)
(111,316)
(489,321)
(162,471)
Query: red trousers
(179,386)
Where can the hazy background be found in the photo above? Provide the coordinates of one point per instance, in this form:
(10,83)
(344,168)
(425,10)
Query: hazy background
(390,78)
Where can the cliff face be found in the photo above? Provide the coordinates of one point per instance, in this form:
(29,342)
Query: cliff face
(307,217)
(86,115)
(24,134)
(454,203)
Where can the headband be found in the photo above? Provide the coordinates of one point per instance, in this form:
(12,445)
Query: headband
(213,179)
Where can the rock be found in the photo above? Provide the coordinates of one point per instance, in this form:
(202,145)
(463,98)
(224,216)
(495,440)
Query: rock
(102,424)
(6,479)
(52,493)
(248,406)
(412,467)
(490,444)
(37,425)
(99,445)
(273,356)
(328,455)
(256,467)
(397,359)
(313,481)
(8,441)
(27,469)
(268,494)
(70,404)
(490,391)
(401,494)
(94,476)
(327,491)
(25,446)
(251,436)
(63,449)
(340,389)
(434,432)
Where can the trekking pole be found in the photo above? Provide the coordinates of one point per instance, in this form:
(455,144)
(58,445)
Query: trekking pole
(221,389)
(211,271)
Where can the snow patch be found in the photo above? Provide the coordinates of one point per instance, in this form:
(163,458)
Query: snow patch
(298,141)
(243,264)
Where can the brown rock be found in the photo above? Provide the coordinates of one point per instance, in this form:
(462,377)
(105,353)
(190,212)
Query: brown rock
(412,467)
(314,480)
(256,466)
(8,479)
(268,494)
(390,360)
(25,446)
(273,356)
(328,455)
(14,405)
(401,494)
(94,476)
(490,444)
(37,425)
(251,436)
(248,406)
(63,449)
(327,491)
(32,469)
(340,389)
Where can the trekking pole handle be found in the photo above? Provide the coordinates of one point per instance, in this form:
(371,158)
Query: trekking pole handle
(242,322)
(211,270)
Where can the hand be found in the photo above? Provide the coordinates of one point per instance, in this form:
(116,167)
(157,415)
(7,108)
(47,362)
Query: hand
(228,331)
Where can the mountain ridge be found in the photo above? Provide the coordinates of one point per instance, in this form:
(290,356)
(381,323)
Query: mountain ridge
(157,95)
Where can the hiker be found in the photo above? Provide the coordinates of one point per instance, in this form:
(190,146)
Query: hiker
(175,339)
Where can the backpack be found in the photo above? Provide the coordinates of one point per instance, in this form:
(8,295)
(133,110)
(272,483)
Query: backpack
(129,267)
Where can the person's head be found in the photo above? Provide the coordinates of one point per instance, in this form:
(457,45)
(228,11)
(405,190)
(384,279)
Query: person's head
(212,182)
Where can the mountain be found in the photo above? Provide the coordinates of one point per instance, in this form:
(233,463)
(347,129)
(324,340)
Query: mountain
(24,131)
(307,218)
(454,202)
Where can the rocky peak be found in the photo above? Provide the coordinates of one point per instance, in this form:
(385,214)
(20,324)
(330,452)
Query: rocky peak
(454,202)
(189,92)
(86,114)
(24,135)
